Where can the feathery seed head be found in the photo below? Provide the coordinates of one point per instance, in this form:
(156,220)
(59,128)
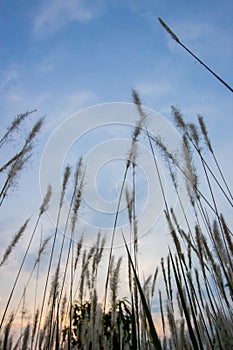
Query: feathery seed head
(35,130)
(178,118)
(46,200)
(204,132)
(64,184)
(168,30)
(194,135)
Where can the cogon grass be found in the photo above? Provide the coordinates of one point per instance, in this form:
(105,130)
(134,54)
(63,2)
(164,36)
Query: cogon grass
(196,300)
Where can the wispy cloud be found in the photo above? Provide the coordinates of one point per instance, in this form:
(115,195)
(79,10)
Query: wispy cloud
(152,89)
(47,64)
(8,76)
(79,99)
(53,15)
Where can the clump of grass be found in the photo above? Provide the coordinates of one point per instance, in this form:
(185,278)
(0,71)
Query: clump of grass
(202,266)
(196,299)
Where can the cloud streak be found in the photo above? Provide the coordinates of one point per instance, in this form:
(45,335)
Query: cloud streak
(54,15)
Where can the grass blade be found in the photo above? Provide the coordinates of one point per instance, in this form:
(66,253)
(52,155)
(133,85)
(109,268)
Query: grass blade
(153,333)
(190,328)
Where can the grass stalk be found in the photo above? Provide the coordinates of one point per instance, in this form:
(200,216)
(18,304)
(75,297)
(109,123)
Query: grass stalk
(153,333)
(174,37)
(42,210)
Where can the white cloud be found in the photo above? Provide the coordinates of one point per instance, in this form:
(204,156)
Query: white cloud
(63,107)
(79,99)
(152,89)
(8,76)
(47,64)
(55,14)
(17,101)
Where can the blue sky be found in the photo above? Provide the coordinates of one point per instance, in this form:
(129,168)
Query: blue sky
(63,56)
(76,53)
